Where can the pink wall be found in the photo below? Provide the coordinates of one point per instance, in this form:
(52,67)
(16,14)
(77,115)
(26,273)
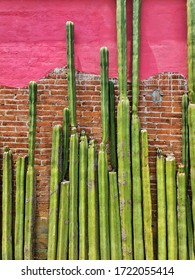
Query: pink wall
(32,36)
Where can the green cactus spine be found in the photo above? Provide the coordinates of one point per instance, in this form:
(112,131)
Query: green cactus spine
(147,201)
(7,246)
(93,215)
(112,127)
(55,180)
(191,123)
(190,229)
(181,213)
(71,72)
(123,134)
(83,168)
(73,212)
(104,56)
(172,243)
(115,227)
(63,222)
(66,122)
(19,208)
(161,207)
(103,203)
(185,136)
(30,176)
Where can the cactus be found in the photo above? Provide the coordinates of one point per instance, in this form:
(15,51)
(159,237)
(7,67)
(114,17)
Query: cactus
(30,176)
(147,201)
(66,121)
(103,203)
(181,213)
(55,180)
(93,217)
(112,128)
(190,229)
(135,138)
(63,222)
(191,39)
(73,210)
(71,72)
(123,135)
(114,212)
(19,208)
(185,136)
(137,190)
(104,93)
(171,208)
(7,246)
(161,207)
(83,159)
(191,123)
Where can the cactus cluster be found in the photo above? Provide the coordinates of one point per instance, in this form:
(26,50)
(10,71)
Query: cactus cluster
(99,210)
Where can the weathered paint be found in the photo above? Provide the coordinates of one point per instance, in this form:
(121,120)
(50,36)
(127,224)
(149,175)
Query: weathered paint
(33,37)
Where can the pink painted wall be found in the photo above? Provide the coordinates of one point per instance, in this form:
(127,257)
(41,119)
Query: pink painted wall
(32,37)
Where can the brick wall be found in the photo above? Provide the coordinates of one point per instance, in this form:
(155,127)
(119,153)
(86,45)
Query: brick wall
(159,111)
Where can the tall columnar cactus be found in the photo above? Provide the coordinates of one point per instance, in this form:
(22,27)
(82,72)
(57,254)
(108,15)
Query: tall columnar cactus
(191,39)
(123,135)
(63,221)
(185,137)
(112,127)
(7,246)
(161,207)
(83,168)
(181,213)
(93,215)
(135,138)
(172,242)
(191,122)
(73,212)
(19,208)
(71,72)
(66,122)
(30,176)
(147,201)
(190,229)
(114,213)
(55,180)
(103,203)
(104,56)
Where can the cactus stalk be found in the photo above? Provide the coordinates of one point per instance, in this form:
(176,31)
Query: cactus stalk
(73,213)
(66,122)
(93,217)
(103,203)
(115,227)
(104,56)
(30,176)
(112,127)
(83,168)
(181,213)
(171,208)
(19,208)
(63,222)
(185,137)
(147,201)
(55,180)
(7,246)
(161,207)
(190,230)
(124,179)
(71,72)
